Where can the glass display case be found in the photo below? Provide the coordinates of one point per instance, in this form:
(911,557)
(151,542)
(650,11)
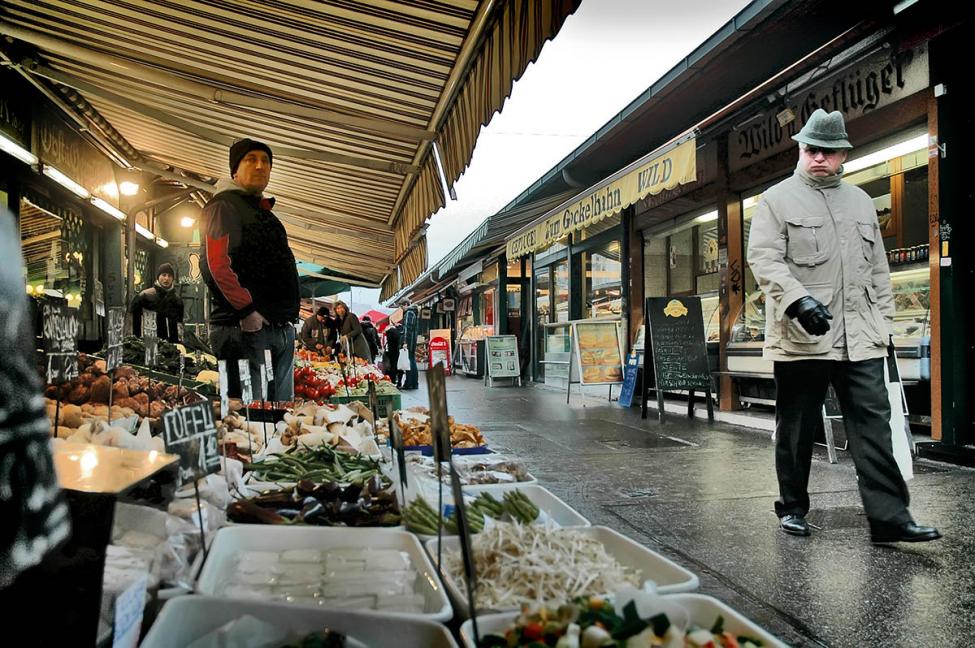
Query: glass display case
(912,301)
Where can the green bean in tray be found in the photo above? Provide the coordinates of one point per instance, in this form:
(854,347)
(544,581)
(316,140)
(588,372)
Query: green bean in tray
(421,518)
(319,464)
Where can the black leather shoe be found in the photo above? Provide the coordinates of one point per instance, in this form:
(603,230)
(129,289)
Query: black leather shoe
(794,525)
(881,532)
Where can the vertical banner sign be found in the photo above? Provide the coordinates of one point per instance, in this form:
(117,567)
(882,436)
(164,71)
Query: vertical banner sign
(224,384)
(191,433)
(116,328)
(150,337)
(246,388)
(60,342)
(629,380)
(396,442)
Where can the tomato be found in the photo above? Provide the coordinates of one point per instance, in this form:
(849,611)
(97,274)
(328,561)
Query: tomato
(533,632)
(313,393)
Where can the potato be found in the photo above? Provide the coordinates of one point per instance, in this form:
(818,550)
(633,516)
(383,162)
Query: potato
(71,416)
(100,389)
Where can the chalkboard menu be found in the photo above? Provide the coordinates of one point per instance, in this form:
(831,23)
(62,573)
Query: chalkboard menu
(677,343)
(60,336)
(191,433)
(116,324)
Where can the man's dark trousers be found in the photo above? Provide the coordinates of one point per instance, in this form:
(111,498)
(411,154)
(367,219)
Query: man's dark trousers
(862,392)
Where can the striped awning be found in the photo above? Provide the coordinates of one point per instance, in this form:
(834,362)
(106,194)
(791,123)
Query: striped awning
(414,263)
(389,287)
(348,93)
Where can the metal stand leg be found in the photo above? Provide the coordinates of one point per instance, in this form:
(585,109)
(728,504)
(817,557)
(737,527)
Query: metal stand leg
(828,433)
(690,404)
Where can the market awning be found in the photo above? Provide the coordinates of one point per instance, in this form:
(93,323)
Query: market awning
(658,171)
(349,95)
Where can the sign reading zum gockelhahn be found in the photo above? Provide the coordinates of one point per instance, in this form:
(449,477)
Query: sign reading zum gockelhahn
(873,83)
(675,167)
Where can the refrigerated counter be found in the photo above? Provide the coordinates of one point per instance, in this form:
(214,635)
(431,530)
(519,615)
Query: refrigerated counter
(912,337)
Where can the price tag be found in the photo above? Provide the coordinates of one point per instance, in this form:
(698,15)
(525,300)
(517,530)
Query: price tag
(116,330)
(246,388)
(439,425)
(128,614)
(60,338)
(150,338)
(396,442)
(224,385)
(191,433)
(268,365)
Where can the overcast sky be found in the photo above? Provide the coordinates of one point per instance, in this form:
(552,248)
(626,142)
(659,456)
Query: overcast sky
(606,54)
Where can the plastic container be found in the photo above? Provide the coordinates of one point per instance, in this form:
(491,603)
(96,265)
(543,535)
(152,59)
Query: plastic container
(670,577)
(229,541)
(703,610)
(186,619)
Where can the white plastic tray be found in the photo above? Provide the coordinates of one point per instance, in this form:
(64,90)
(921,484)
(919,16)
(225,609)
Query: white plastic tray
(703,610)
(670,577)
(229,541)
(186,619)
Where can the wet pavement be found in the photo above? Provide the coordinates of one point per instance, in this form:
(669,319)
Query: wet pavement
(703,496)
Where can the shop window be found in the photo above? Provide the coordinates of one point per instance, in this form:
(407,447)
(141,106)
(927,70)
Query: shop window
(603,280)
(490,273)
(514,300)
(56,251)
(514,269)
(898,187)
(560,277)
(487,307)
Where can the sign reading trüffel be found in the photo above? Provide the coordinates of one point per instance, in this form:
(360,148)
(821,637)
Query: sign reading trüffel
(873,83)
(643,178)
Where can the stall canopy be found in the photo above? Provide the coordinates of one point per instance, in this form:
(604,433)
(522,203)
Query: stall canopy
(350,95)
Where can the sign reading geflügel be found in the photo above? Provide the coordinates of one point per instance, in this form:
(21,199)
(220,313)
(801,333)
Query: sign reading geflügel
(677,342)
(60,336)
(666,171)
(873,83)
(150,337)
(191,433)
(116,324)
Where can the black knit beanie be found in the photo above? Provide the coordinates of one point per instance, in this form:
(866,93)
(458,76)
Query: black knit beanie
(242,147)
(166,268)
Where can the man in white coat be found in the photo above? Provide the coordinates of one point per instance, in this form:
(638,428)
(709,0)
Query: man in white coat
(816,250)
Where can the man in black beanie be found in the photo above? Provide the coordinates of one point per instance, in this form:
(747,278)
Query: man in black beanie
(164,300)
(251,273)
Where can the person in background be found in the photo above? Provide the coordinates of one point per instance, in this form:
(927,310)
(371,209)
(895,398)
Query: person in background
(817,253)
(394,339)
(35,516)
(251,273)
(349,330)
(317,332)
(371,335)
(164,300)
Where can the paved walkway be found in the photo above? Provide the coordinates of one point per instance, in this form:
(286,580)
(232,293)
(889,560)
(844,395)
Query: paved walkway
(702,495)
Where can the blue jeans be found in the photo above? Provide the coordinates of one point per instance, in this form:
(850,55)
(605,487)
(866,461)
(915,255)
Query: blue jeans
(231,344)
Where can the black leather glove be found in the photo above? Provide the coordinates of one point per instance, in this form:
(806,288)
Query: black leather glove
(812,315)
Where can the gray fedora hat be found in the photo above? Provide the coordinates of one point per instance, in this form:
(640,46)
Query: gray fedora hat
(825,130)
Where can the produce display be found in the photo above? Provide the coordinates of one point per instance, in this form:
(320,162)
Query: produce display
(493,469)
(347,578)
(145,397)
(319,381)
(328,504)
(414,423)
(240,439)
(519,564)
(345,426)
(167,357)
(421,518)
(594,622)
(318,464)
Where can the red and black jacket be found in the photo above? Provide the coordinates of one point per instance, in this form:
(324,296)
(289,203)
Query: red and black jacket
(247,263)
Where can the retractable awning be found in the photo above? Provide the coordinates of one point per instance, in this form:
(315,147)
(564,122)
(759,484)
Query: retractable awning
(348,93)
(659,170)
